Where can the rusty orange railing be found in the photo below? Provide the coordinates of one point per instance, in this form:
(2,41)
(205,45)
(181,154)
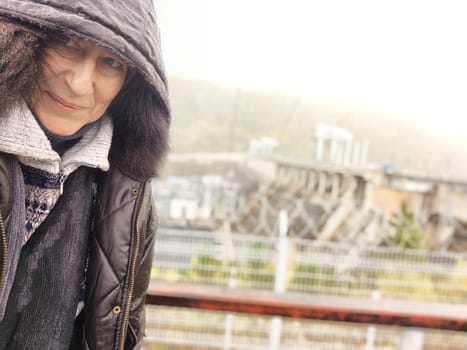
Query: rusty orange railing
(305,306)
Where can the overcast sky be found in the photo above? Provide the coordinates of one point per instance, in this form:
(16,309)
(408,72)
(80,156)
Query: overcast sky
(405,57)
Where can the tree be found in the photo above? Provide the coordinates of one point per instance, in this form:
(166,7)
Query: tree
(407,231)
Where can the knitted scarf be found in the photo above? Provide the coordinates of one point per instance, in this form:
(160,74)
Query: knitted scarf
(42,306)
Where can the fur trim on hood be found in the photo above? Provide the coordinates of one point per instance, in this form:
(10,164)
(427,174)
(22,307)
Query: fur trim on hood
(140,112)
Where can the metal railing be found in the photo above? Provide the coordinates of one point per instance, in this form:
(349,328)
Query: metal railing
(321,281)
(302,306)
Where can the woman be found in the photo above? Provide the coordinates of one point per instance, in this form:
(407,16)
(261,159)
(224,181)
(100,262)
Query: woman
(84,118)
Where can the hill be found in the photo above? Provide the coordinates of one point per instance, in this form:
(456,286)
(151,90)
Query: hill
(208,117)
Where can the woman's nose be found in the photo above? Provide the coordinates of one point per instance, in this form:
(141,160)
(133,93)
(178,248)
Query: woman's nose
(81,77)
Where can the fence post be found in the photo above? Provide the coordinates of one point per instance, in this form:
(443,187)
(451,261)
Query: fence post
(229,319)
(280,282)
(371,331)
(411,339)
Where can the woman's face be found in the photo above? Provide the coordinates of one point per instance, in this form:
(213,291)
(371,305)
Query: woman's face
(79,80)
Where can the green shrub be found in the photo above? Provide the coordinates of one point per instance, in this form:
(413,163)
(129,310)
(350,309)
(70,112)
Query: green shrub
(407,231)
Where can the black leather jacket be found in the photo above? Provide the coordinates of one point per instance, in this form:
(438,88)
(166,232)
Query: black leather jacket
(121,249)
(119,262)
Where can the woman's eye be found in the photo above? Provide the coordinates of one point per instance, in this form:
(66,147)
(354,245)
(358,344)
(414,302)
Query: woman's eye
(113,63)
(65,40)
(66,46)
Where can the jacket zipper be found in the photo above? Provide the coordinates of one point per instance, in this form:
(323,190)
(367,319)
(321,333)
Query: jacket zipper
(4,252)
(61,172)
(126,315)
(62,180)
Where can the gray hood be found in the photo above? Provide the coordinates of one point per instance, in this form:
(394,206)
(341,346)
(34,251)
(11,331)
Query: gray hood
(126,27)
(141,112)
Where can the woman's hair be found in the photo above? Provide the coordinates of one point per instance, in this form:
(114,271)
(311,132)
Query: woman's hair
(141,120)
(20,50)
(141,127)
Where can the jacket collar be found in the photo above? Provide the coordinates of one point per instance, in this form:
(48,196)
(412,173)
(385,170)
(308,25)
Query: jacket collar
(21,135)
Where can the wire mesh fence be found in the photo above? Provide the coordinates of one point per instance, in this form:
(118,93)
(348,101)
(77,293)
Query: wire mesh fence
(311,267)
(176,328)
(323,268)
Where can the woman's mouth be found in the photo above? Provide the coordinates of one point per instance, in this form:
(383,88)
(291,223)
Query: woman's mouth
(62,103)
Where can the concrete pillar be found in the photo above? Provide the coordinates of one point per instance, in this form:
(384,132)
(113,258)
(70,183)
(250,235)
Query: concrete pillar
(283,177)
(336,184)
(340,153)
(301,181)
(295,178)
(322,182)
(367,193)
(348,153)
(333,151)
(311,181)
(356,154)
(319,146)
